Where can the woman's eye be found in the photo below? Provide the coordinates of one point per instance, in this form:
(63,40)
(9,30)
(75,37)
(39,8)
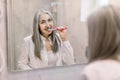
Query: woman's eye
(42,22)
(49,20)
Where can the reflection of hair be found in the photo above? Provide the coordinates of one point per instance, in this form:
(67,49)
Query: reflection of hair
(104,33)
(36,34)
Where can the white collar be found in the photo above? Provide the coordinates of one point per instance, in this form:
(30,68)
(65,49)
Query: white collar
(44,39)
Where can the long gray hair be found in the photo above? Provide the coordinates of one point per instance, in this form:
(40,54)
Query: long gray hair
(104,33)
(38,45)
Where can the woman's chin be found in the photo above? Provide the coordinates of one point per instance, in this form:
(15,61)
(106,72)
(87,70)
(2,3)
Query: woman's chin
(49,32)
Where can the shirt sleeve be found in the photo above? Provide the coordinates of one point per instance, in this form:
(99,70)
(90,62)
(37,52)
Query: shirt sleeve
(67,53)
(24,57)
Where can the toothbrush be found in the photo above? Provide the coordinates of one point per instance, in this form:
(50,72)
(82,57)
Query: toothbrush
(64,28)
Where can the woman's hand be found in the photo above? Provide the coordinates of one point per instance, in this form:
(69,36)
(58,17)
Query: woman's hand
(62,32)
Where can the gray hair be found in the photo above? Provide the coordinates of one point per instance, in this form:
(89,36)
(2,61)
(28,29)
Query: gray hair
(36,34)
(104,33)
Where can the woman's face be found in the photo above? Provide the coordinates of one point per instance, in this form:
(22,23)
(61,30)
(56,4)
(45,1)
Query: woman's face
(45,23)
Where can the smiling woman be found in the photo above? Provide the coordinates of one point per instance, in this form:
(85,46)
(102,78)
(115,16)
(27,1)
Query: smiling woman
(45,48)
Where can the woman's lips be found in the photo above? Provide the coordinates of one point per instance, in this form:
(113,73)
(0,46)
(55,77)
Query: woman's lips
(48,29)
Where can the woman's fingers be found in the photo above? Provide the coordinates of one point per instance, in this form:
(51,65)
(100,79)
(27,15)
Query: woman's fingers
(62,32)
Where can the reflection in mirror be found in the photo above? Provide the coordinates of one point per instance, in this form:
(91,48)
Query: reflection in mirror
(48,45)
(36,37)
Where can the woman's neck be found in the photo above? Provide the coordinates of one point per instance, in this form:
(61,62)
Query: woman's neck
(45,36)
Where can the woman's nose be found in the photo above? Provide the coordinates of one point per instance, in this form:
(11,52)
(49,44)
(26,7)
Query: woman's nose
(47,25)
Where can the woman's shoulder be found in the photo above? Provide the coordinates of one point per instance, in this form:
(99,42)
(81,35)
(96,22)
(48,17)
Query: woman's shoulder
(28,38)
(91,66)
(104,69)
(102,65)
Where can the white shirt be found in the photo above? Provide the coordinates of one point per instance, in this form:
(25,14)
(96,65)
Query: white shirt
(102,70)
(27,59)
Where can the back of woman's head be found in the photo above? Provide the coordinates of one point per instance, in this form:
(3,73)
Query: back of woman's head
(104,33)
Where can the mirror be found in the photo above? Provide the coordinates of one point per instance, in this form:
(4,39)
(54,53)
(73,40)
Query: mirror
(20,25)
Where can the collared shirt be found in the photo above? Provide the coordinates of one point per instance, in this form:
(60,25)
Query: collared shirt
(50,56)
(27,59)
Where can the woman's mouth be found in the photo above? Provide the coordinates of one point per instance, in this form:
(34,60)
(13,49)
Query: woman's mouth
(48,29)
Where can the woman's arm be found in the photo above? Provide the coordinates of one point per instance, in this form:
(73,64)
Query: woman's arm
(24,57)
(66,48)
(67,53)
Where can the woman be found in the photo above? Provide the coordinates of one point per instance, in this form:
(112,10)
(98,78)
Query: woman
(104,45)
(47,46)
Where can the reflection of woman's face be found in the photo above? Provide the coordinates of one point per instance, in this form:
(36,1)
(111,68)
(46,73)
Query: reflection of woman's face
(45,23)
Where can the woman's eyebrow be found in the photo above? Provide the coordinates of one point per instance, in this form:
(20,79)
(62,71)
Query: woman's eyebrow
(42,20)
(50,19)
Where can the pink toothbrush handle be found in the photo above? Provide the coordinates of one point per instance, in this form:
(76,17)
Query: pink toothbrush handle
(64,28)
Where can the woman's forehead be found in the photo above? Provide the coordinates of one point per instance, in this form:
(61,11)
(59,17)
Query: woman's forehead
(45,17)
